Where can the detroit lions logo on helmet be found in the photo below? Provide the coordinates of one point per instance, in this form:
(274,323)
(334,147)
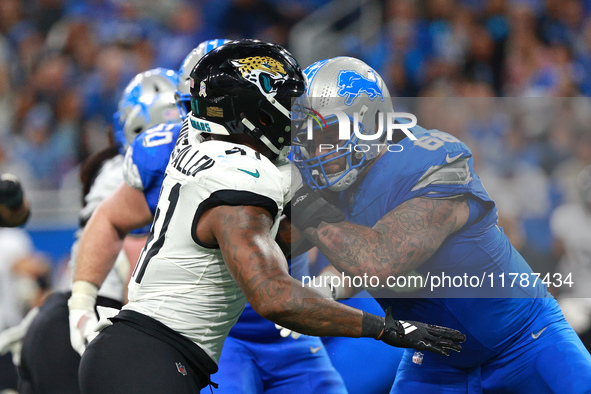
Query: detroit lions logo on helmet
(262,71)
(351,84)
(134,99)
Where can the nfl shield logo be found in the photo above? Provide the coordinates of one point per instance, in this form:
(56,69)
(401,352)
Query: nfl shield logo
(202,89)
(417,358)
(181,368)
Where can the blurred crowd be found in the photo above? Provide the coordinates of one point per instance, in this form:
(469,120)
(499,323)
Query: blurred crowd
(514,47)
(64,63)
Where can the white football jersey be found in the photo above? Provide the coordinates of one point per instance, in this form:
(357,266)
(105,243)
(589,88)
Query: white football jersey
(179,281)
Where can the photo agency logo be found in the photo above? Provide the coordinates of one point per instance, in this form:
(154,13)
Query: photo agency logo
(357,120)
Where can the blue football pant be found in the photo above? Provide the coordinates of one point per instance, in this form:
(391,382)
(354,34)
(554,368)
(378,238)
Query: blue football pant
(554,362)
(277,366)
(366,365)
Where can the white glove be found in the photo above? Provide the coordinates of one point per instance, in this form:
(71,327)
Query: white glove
(105,313)
(11,340)
(82,317)
(285,332)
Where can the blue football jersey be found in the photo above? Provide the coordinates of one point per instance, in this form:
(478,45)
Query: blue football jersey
(438,165)
(146,160)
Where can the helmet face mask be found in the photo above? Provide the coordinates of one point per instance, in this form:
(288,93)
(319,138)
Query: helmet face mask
(327,162)
(350,87)
(148,100)
(183,90)
(247,87)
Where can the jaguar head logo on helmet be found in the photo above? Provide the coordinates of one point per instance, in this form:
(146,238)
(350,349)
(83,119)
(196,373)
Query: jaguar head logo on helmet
(249,86)
(263,71)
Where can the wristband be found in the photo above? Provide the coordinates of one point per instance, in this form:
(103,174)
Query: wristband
(372,326)
(83,295)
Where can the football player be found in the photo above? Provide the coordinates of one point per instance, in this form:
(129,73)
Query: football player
(418,207)
(14,207)
(211,246)
(255,358)
(14,211)
(49,363)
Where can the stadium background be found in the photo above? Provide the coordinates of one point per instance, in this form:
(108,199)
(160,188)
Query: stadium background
(63,65)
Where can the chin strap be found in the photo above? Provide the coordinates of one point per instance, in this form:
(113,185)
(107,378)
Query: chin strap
(278,106)
(283,152)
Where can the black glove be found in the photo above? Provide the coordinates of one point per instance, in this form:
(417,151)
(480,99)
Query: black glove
(11,192)
(420,336)
(308,209)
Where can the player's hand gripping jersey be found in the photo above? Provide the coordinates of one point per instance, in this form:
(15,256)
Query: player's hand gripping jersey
(199,177)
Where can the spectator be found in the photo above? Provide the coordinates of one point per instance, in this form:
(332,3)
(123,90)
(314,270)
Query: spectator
(255,19)
(48,155)
(19,271)
(571,227)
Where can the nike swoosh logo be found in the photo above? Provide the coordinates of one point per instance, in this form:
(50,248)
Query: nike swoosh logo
(537,334)
(254,174)
(452,159)
(315,349)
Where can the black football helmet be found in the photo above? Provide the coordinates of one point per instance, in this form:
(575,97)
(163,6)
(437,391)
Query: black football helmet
(246,86)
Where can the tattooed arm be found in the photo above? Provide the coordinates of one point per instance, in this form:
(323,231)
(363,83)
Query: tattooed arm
(258,265)
(400,242)
(256,262)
